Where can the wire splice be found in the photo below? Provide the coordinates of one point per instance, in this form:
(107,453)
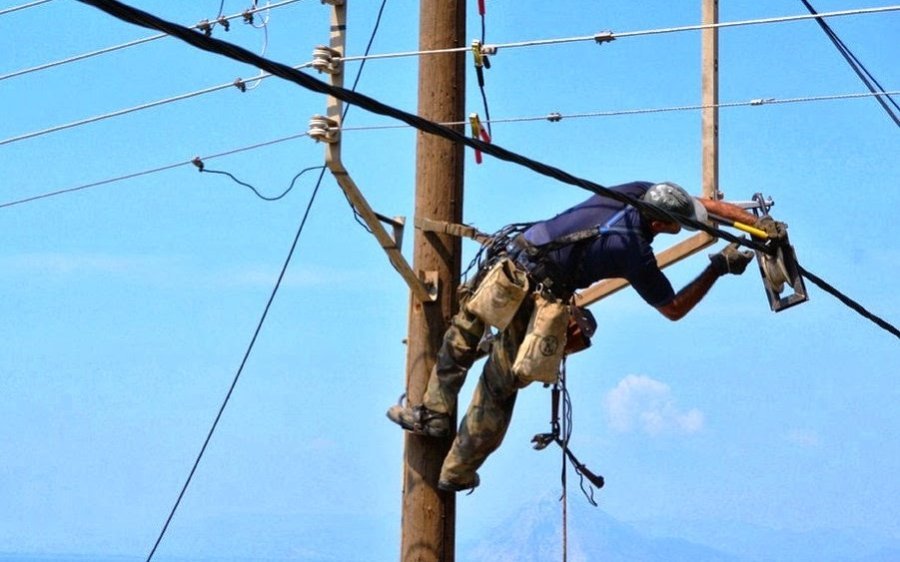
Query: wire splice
(604,37)
(198,162)
(478,132)
(554,117)
(223,21)
(248,16)
(240,84)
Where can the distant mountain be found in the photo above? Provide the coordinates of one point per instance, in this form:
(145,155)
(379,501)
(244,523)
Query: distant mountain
(535,535)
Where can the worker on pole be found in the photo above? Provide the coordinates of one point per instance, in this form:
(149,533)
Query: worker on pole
(524,289)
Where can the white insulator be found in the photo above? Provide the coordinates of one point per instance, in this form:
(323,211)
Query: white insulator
(323,129)
(324,60)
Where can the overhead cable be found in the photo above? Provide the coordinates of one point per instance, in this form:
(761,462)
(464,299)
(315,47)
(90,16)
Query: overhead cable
(12,9)
(113,48)
(132,15)
(552,117)
(214,45)
(858,308)
(150,171)
(259,325)
(608,35)
(240,84)
(871,83)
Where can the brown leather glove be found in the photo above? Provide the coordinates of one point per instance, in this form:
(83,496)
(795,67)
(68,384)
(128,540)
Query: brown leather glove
(731,260)
(776,230)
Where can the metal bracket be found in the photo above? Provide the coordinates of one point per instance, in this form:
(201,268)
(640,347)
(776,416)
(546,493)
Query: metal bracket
(780,270)
(327,129)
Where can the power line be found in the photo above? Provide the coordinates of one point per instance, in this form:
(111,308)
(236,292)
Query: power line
(237,83)
(551,117)
(262,319)
(856,65)
(884,325)
(114,48)
(5,11)
(608,36)
(150,171)
(234,52)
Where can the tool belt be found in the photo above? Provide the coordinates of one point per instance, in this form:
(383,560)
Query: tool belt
(544,272)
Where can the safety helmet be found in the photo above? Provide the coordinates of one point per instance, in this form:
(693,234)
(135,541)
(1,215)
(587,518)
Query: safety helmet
(674,199)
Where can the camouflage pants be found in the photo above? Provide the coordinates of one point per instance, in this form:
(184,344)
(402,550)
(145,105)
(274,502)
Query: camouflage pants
(483,427)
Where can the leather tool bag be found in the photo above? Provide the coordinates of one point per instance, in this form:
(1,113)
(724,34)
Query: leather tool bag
(500,293)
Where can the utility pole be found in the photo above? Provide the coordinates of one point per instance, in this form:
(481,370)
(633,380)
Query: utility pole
(429,515)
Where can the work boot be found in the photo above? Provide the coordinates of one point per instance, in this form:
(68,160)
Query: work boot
(420,420)
(448,486)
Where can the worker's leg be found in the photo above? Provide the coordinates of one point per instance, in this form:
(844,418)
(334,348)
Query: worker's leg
(458,351)
(487,419)
(454,359)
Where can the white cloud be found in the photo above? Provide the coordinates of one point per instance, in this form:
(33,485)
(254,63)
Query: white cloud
(640,403)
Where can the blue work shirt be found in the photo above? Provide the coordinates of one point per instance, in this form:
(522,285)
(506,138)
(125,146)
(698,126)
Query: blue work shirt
(623,250)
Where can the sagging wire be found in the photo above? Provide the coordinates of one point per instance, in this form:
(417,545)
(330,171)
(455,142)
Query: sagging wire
(871,83)
(198,162)
(252,342)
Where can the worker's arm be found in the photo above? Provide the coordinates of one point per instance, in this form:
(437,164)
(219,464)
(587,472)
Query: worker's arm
(730,260)
(773,229)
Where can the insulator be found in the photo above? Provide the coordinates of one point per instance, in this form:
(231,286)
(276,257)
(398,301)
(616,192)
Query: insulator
(324,60)
(323,129)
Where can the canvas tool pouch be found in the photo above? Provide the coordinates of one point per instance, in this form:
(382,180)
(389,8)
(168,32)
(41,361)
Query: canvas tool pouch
(499,294)
(542,349)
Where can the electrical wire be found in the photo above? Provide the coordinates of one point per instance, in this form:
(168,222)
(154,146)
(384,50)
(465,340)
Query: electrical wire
(259,325)
(12,9)
(609,35)
(254,190)
(871,83)
(150,171)
(132,15)
(240,369)
(240,84)
(552,117)
(114,48)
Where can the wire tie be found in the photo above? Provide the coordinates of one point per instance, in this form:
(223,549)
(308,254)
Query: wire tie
(223,21)
(197,162)
(604,37)
(205,27)
(248,16)
(240,84)
(554,117)
(761,101)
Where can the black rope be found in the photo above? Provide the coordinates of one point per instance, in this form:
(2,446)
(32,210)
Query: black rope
(857,66)
(848,301)
(258,194)
(214,45)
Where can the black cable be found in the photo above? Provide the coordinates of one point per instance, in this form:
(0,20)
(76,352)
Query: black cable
(258,194)
(259,324)
(240,370)
(211,44)
(856,65)
(883,324)
(214,45)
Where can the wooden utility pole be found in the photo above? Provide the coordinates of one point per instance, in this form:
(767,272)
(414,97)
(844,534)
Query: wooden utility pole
(710,92)
(429,515)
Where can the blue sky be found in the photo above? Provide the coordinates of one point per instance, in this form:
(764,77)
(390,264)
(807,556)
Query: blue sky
(128,306)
